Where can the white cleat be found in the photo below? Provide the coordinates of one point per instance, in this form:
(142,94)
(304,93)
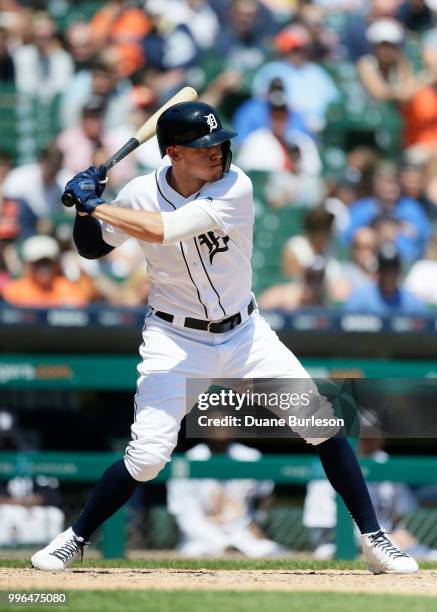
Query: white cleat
(61,551)
(383,557)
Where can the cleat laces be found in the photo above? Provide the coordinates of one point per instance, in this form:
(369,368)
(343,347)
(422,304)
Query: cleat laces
(379,540)
(69,549)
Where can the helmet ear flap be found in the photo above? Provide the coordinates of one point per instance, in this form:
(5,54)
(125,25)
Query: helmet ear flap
(227,155)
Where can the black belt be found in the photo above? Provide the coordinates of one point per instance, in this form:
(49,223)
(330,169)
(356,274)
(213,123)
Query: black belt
(218,327)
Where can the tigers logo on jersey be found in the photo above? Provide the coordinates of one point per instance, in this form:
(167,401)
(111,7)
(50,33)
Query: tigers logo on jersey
(215,244)
(211,121)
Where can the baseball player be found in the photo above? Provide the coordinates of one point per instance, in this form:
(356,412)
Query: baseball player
(193,219)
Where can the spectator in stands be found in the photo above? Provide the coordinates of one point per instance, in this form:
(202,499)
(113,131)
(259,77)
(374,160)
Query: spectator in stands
(386,72)
(120,279)
(80,45)
(41,285)
(148,155)
(169,45)
(216,515)
(300,251)
(414,184)
(324,43)
(202,21)
(256,113)
(309,88)
(43,68)
(354,37)
(387,202)
(9,231)
(241,40)
(41,184)
(310,291)
(79,144)
(124,26)
(290,154)
(386,296)
(100,80)
(85,274)
(7,68)
(360,270)
(420,112)
(196,15)
(342,192)
(16,221)
(16,218)
(308,260)
(29,512)
(226,83)
(352,184)
(415,15)
(420,278)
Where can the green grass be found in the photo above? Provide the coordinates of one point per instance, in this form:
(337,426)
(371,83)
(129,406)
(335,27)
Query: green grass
(217,564)
(236,601)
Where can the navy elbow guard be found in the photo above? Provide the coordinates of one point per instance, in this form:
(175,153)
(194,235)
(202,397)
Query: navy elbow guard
(88,239)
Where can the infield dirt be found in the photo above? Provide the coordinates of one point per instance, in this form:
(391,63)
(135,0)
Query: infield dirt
(341,581)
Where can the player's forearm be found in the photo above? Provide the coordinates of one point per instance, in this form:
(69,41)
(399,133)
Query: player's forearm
(143,225)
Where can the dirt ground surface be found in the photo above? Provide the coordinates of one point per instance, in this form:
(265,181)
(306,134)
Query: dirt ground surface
(423,583)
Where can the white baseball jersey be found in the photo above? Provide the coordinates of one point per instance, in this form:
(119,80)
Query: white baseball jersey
(208,276)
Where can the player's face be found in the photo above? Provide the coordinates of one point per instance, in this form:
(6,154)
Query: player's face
(203,164)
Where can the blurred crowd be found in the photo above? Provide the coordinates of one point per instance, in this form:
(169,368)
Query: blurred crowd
(368,203)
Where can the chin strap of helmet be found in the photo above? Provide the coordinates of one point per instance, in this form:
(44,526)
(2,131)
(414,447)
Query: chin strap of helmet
(227,155)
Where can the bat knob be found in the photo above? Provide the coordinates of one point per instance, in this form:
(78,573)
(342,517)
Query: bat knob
(68,199)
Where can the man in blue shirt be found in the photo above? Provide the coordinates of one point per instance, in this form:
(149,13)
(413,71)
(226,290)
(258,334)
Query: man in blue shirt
(308,86)
(385,296)
(255,113)
(413,227)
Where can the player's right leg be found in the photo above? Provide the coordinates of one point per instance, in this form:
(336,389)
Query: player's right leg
(169,357)
(257,353)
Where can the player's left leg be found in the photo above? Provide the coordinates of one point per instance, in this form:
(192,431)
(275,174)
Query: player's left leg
(257,352)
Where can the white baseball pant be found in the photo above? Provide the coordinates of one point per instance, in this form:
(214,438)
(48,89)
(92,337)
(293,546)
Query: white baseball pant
(171,354)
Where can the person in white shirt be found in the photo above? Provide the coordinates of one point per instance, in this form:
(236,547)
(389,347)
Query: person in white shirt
(215,515)
(39,184)
(43,68)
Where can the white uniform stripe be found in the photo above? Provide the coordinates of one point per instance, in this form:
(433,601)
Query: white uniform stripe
(207,276)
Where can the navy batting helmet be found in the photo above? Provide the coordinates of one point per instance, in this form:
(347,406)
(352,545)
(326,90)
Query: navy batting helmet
(195,125)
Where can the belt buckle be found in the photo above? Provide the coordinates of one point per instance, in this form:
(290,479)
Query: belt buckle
(207,327)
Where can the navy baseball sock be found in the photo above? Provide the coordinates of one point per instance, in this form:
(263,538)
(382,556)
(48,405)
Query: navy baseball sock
(344,473)
(110,493)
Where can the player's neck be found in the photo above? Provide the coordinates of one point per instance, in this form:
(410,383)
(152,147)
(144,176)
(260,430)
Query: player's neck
(184,184)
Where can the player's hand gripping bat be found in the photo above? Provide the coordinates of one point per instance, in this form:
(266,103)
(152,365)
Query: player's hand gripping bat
(145,132)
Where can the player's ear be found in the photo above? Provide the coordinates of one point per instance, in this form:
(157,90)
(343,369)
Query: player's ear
(173,153)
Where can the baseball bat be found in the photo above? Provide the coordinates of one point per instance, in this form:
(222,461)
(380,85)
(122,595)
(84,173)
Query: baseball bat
(144,133)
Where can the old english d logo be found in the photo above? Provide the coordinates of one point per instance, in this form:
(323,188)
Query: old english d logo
(211,121)
(215,244)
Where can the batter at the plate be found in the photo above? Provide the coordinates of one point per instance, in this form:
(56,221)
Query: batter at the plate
(194,221)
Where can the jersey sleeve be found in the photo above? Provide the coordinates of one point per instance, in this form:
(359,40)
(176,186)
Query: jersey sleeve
(229,202)
(186,222)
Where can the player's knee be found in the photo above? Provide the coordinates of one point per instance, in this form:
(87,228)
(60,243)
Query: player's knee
(143,466)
